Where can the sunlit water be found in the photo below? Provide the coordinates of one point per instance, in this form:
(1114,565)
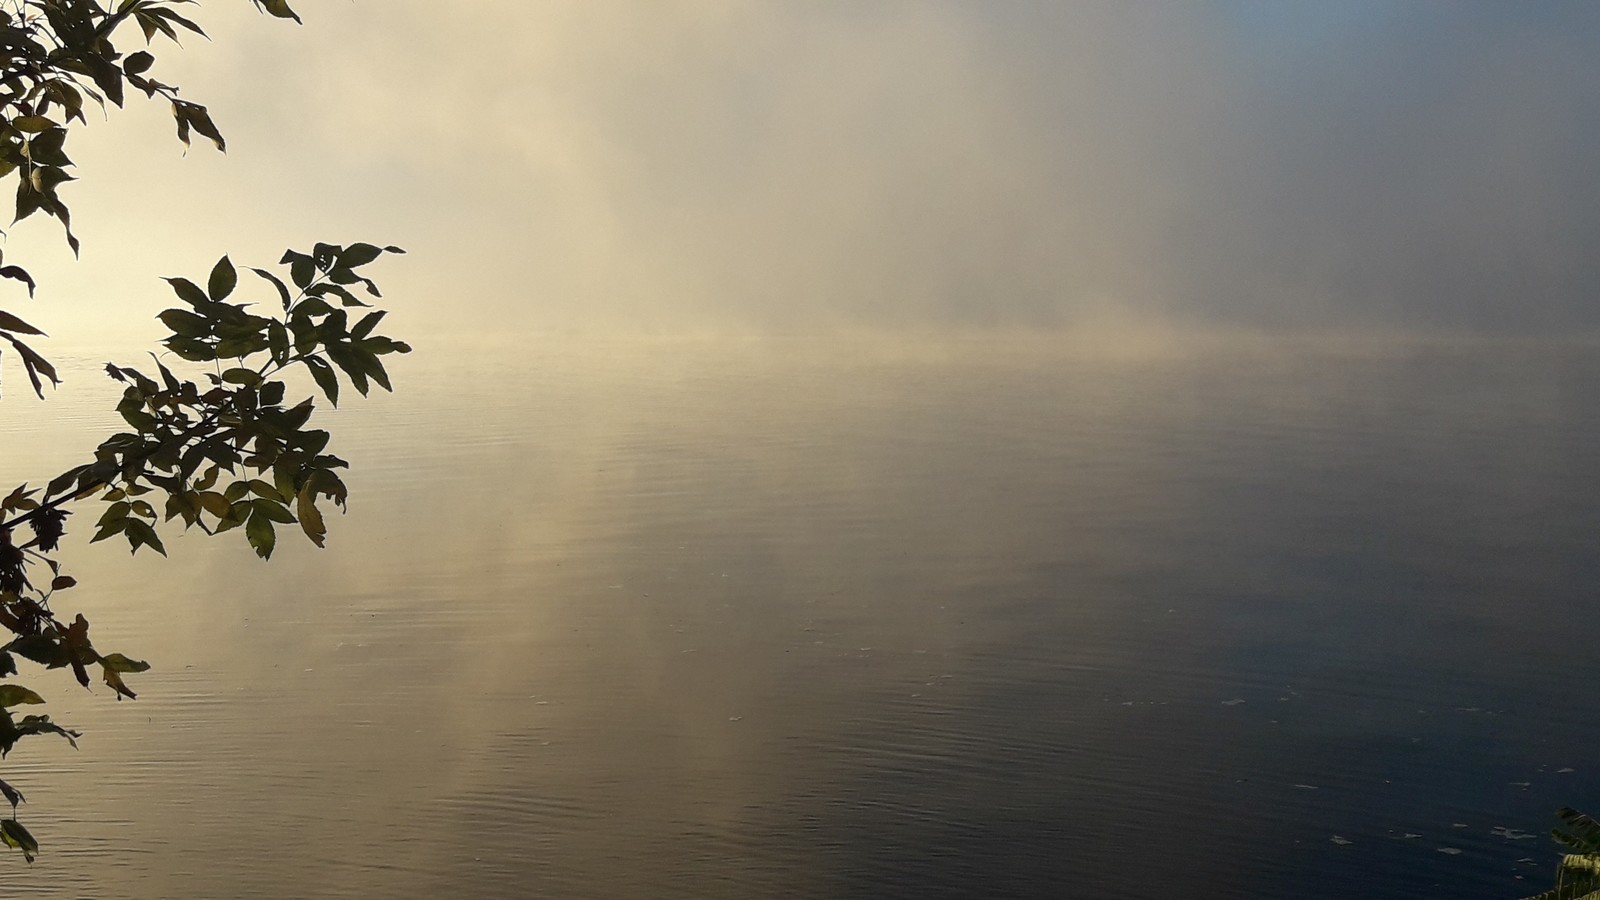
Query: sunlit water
(834,618)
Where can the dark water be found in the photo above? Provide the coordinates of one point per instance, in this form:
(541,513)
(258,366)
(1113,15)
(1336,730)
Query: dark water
(832,618)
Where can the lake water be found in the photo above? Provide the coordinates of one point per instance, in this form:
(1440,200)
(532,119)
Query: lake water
(845,618)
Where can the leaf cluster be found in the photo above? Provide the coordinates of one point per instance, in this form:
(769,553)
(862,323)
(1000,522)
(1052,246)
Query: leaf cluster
(56,57)
(215,446)
(213,442)
(228,450)
(1578,874)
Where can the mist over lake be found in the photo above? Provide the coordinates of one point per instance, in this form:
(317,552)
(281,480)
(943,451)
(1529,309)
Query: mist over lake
(860,449)
(953,616)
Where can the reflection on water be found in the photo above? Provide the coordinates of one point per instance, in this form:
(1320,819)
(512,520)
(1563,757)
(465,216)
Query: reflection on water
(829,618)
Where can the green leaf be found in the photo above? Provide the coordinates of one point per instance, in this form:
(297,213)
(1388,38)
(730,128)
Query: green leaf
(13,795)
(310,517)
(208,479)
(304,332)
(326,290)
(283,289)
(237,514)
(302,268)
(123,664)
(1585,834)
(109,529)
(314,306)
(107,77)
(223,279)
(272,393)
(185,504)
(180,20)
(40,649)
(45,180)
(367,323)
(246,377)
(43,725)
(376,370)
(139,419)
(17,837)
(327,484)
(215,503)
(312,441)
(17,273)
(347,358)
(192,115)
(29,200)
(138,63)
(272,510)
(191,349)
(266,491)
(47,148)
(14,499)
(114,512)
(279,8)
(259,532)
(113,679)
(8,322)
(322,374)
(141,534)
(151,24)
(34,364)
(167,378)
(69,98)
(17,695)
(357,255)
(184,323)
(188,292)
(278,342)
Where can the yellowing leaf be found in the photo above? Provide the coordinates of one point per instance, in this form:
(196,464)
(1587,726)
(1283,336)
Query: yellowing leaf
(17,695)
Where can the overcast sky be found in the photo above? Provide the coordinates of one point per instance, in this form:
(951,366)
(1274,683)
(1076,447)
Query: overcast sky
(811,165)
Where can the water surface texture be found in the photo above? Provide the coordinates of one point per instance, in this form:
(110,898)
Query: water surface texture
(808,618)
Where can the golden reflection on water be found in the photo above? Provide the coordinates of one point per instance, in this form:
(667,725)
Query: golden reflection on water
(784,617)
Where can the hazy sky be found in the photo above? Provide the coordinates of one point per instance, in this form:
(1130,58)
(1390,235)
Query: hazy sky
(808,165)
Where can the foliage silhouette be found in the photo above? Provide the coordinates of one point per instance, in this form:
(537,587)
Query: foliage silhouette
(221,449)
(1578,874)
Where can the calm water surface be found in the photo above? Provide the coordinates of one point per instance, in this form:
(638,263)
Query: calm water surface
(998,618)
